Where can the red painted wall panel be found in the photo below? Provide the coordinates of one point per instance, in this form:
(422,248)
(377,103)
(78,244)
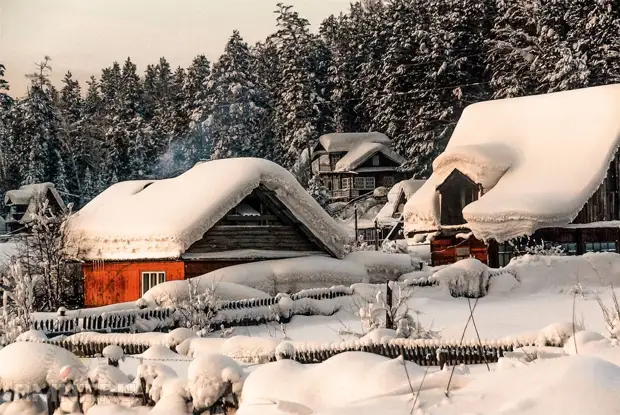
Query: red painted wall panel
(118,282)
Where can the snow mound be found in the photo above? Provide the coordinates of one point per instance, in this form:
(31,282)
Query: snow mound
(565,385)
(210,376)
(169,293)
(31,336)
(121,224)
(505,146)
(249,349)
(338,382)
(26,366)
(160,352)
(382,266)
(287,275)
(467,277)
(378,335)
(179,335)
(593,344)
(113,352)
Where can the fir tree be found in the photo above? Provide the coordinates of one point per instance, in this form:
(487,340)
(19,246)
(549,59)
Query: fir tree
(237,104)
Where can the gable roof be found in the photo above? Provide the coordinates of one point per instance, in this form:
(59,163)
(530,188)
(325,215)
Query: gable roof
(341,142)
(401,190)
(538,159)
(156,219)
(361,152)
(29,194)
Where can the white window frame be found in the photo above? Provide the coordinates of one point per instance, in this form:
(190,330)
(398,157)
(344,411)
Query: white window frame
(358,182)
(154,278)
(346,183)
(369,183)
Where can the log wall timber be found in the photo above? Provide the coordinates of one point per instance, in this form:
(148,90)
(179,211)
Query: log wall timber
(604,205)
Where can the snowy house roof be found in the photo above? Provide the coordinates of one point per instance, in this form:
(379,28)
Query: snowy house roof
(399,193)
(361,152)
(341,142)
(538,160)
(29,194)
(153,219)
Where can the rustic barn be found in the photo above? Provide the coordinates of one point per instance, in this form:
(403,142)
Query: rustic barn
(354,164)
(541,170)
(138,234)
(21,204)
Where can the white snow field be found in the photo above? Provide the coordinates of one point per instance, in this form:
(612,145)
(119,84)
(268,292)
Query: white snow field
(536,300)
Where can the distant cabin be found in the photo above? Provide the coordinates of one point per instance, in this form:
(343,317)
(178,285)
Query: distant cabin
(20,205)
(541,170)
(138,234)
(353,164)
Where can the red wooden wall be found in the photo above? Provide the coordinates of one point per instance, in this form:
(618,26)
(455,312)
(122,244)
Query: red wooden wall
(448,250)
(118,282)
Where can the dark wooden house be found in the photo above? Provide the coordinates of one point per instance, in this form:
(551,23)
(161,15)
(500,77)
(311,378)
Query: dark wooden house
(20,205)
(269,219)
(354,164)
(535,175)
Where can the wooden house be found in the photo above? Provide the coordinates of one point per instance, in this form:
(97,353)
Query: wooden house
(354,164)
(219,213)
(524,171)
(20,205)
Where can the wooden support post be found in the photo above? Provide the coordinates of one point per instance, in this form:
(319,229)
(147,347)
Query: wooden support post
(356,230)
(376,236)
(389,324)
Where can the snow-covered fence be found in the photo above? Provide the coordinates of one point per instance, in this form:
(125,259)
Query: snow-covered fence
(117,321)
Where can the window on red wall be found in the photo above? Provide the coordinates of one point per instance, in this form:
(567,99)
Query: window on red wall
(151,279)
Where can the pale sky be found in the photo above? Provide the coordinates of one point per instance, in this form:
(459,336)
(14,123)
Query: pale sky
(85,36)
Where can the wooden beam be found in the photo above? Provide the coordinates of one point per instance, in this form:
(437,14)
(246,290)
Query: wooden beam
(241,218)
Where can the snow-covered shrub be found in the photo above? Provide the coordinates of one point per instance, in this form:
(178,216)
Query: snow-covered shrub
(378,314)
(213,378)
(611,315)
(318,191)
(197,310)
(18,302)
(466,278)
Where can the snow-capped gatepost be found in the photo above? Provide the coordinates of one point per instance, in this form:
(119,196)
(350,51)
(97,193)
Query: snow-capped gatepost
(113,353)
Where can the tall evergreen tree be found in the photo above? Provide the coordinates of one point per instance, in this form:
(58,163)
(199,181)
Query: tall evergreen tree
(237,107)
(197,144)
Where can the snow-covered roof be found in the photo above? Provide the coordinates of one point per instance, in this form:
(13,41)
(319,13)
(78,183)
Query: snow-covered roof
(29,194)
(361,152)
(339,142)
(538,159)
(153,219)
(404,188)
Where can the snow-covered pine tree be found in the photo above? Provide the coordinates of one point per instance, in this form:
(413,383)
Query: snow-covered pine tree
(298,101)
(40,122)
(237,103)
(196,145)
(318,191)
(89,187)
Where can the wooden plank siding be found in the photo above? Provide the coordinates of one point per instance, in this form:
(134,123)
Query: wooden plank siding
(197,268)
(275,237)
(604,205)
(117,282)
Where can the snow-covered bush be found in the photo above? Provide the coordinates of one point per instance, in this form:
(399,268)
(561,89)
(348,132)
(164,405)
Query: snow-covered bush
(197,310)
(611,315)
(318,191)
(18,302)
(545,249)
(466,278)
(377,314)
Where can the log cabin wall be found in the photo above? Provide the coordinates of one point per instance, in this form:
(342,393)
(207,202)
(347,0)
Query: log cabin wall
(197,268)
(118,282)
(604,205)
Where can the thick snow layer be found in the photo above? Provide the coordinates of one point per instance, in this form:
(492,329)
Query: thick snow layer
(170,292)
(382,266)
(28,195)
(340,142)
(122,223)
(251,254)
(404,188)
(26,366)
(468,277)
(568,385)
(360,153)
(505,145)
(341,381)
(287,275)
(210,375)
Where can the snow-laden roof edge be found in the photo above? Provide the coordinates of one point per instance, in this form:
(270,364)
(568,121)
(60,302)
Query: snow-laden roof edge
(161,219)
(339,142)
(358,154)
(539,159)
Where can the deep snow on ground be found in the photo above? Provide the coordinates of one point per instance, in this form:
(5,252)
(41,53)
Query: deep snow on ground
(562,381)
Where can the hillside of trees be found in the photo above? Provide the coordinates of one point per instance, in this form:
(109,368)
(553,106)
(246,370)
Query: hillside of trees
(406,68)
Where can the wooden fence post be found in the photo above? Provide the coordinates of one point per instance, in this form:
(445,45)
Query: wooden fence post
(389,324)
